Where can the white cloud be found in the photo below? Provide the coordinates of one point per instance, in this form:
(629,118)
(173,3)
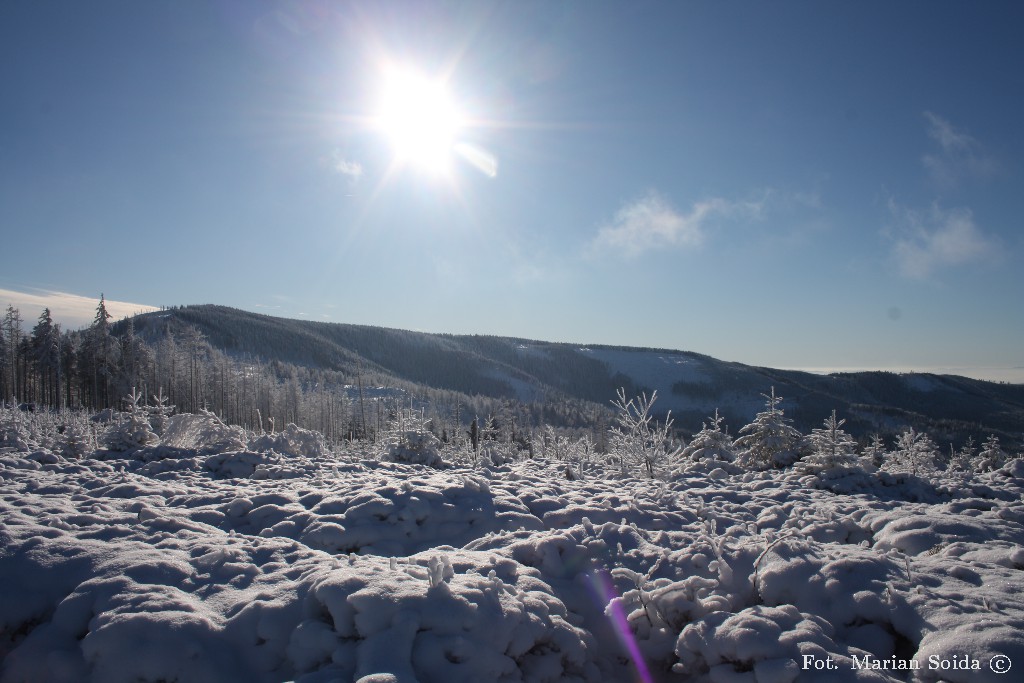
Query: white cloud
(70,310)
(651,222)
(938,239)
(959,155)
(352,169)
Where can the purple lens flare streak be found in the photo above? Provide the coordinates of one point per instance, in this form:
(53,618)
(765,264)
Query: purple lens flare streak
(603,585)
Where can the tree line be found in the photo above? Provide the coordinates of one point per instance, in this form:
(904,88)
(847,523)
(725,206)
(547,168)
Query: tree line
(47,367)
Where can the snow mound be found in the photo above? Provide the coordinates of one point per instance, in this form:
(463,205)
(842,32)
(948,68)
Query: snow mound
(292,440)
(204,432)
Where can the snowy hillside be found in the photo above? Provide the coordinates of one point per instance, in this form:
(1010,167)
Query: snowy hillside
(685,382)
(223,555)
(545,376)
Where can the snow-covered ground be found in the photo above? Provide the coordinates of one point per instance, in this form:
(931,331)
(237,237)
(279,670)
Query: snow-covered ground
(219,555)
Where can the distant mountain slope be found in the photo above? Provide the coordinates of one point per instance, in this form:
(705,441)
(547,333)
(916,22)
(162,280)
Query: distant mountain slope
(691,385)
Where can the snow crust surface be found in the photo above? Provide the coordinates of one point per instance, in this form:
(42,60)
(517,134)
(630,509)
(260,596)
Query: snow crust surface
(216,556)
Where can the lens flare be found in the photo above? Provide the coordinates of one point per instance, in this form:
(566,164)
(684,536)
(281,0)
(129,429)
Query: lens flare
(478,158)
(602,584)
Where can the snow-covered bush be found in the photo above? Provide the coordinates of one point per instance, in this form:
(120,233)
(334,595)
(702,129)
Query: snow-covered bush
(657,610)
(497,453)
(553,444)
(578,454)
(204,432)
(963,459)
(133,432)
(581,456)
(757,644)
(410,441)
(770,440)
(414,447)
(637,440)
(292,440)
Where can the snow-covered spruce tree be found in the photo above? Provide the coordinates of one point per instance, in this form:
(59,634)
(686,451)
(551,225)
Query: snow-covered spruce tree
(410,440)
(914,452)
(45,346)
(136,431)
(636,439)
(79,440)
(991,456)
(497,446)
(833,451)
(4,363)
(711,443)
(770,440)
(99,358)
(963,459)
(875,452)
(13,431)
(160,412)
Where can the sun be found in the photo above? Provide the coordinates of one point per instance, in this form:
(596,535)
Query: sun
(419,119)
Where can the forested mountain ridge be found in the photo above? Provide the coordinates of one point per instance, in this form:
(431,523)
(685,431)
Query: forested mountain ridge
(691,385)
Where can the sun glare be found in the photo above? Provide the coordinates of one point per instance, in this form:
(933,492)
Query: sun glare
(419,119)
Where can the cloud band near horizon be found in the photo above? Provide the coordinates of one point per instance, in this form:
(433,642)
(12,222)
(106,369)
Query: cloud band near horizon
(72,311)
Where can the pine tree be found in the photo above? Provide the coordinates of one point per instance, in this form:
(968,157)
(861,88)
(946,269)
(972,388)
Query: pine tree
(46,357)
(710,443)
(136,359)
(832,448)
(160,412)
(770,440)
(4,391)
(991,456)
(136,431)
(98,358)
(915,453)
(875,452)
(69,349)
(12,333)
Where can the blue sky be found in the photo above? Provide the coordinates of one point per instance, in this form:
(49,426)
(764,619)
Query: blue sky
(791,184)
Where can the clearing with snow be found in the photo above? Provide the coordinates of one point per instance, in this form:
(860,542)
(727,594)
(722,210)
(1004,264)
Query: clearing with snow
(216,554)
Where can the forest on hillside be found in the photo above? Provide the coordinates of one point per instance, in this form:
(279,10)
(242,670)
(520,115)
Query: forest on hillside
(95,368)
(353,383)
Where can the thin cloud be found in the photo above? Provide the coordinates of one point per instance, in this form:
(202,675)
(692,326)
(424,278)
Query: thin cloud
(652,222)
(70,310)
(938,239)
(959,155)
(353,169)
